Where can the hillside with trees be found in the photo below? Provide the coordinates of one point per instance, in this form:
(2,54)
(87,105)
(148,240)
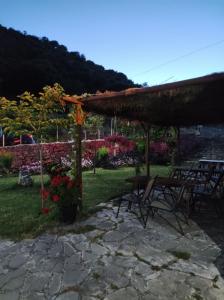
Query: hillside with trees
(29,63)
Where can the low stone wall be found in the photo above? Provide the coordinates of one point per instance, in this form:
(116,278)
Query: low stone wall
(27,154)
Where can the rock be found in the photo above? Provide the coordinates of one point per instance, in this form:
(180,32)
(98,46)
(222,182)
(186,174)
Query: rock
(68,296)
(115,236)
(126,293)
(55,283)
(68,249)
(25,178)
(74,277)
(202,270)
(17,261)
(12,295)
(72,261)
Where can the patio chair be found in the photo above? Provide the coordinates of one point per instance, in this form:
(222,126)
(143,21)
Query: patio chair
(209,193)
(207,177)
(171,202)
(139,200)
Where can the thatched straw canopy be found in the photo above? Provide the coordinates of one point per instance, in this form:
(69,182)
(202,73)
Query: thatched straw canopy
(184,103)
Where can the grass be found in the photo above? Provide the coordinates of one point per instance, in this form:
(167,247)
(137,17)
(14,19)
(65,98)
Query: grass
(20,215)
(180,254)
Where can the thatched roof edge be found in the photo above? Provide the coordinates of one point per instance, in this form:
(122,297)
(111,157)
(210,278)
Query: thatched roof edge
(156,88)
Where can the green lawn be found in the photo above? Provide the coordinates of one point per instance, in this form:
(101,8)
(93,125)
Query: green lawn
(20,215)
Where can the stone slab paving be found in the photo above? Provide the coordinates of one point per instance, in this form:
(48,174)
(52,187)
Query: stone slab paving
(116,259)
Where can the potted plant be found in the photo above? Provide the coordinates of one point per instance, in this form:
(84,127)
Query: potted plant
(63,192)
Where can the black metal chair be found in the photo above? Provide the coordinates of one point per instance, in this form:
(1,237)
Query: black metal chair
(209,193)
(139,200)
(172,202)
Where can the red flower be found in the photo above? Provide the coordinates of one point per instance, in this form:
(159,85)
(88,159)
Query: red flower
(56,181)
(55,198)
(44,193)
(58,170)
(71,184)
(66,179)
(45,210)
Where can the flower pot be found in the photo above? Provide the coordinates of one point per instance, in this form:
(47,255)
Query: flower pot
(67,214)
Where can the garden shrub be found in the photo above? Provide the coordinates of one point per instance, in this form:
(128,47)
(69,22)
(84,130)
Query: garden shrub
(5,161)
(102,153)
(140,146)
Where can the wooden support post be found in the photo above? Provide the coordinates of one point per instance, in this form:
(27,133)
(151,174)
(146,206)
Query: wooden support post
(57,135)
(79,162)
(178,146)
(94,160)
(111,126)
(147,151)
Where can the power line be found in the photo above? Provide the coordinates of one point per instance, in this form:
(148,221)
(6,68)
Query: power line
(164,81)
(180,57)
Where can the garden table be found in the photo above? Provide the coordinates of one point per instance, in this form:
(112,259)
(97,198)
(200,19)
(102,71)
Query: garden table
(197,175)
(141,181)
(219,164)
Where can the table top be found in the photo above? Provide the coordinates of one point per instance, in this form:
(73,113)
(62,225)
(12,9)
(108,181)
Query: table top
(138,179)
(160,181)
(173,182)
(204,170)
(214,161)
(197,170)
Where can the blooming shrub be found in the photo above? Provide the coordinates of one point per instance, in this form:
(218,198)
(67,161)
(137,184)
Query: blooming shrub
(87,163)
(54,169)
(66,162)
(124,159)
(159,147)
(91,147)
(122,143)
(159,152)
(63,192)
(32,169)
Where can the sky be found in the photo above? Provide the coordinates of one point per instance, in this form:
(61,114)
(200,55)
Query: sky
(150,41)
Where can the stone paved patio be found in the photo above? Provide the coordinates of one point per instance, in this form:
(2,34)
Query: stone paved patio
(117,259)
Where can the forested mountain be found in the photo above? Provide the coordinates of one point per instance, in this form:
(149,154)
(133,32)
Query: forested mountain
(29,63)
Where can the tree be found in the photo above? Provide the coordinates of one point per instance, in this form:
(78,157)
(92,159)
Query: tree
(94,122)
(29,63)
(34,115)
